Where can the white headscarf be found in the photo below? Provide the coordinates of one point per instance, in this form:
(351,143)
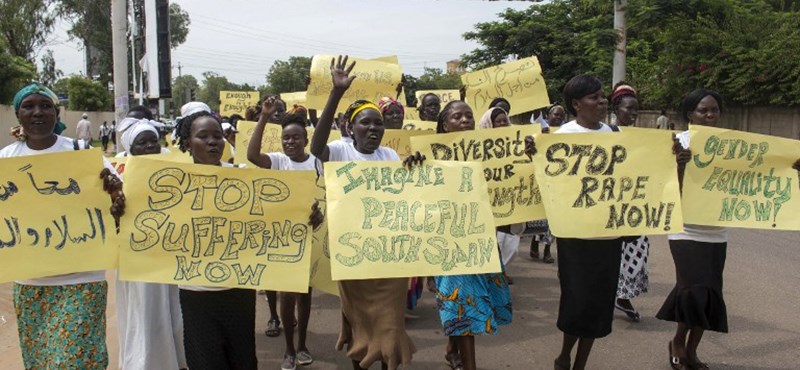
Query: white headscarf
(194,107)
(130,128)
(486,119)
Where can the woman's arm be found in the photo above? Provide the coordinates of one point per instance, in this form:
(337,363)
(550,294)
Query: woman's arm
(268,108)
(340,73)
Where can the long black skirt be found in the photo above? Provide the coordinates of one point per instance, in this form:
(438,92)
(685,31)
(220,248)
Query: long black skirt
(588,272)
(697,298)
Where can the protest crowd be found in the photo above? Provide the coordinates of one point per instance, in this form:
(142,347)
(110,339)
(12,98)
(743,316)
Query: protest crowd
(348,169)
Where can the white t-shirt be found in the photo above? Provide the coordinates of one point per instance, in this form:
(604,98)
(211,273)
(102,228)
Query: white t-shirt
(196,288)
(700,233)
(282,161)
(342,151)
(63,144)
(572,127)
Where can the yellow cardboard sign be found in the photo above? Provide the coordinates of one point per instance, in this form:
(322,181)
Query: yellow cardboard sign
(388,221)
(320,254)
(513,191)
(55,216)
(520,82)
(445,96)
(374,80)
(741,179)
(118,163)
(216,226)
(270,142)
(409,124)
(412,114)
(293,98)
(400,140)
(614,184)
(236,102)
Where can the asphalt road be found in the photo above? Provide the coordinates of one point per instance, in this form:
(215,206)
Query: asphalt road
(762,291)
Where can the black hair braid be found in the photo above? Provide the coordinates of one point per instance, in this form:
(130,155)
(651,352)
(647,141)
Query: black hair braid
(185,128)
(443,115)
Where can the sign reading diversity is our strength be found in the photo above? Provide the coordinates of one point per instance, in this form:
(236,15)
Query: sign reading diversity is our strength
(236,102)
(741,179)
(386,220)
(612,184)
(55,216)
(215,226)
(513,191)
(520,82)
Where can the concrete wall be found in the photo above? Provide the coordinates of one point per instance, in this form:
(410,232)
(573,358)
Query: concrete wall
(776,121)
(8,120)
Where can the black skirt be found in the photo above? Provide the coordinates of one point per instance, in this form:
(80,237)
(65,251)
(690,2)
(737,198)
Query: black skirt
(219,329)
(588,272)
(697,298)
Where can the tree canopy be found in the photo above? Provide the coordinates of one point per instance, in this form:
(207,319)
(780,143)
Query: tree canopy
(674,46)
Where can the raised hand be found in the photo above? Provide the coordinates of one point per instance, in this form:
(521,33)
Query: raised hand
(340,73)
(462,92)
(796,165)
(269,106)
(17,133)
(113,186)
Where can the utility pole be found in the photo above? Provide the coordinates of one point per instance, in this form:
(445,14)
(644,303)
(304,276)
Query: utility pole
(119,26)
(620,8)
(179,69)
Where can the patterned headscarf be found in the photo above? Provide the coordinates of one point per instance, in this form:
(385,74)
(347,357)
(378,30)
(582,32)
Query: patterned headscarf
(387,102)
(620,91)
(37,88)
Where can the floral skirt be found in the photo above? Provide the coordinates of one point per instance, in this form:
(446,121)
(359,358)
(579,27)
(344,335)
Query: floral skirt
(62,326)
(473,304)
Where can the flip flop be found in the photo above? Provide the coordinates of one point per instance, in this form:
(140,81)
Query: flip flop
(273,328)
(633,315)
(674,361)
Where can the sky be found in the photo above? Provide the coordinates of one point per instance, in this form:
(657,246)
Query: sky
(240,39)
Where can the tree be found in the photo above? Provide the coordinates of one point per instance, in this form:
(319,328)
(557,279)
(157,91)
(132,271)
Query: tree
(288,76)
(178,25)
(15,72)
(431,79)
(674,46)
(213,83)
(24,26)
(85,94)
(182,86)
(49,74)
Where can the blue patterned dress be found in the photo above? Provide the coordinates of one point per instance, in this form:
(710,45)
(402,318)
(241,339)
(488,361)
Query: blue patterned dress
(473,304)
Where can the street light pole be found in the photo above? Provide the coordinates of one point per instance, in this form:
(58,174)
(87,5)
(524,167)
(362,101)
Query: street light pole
(620,8)
(119,27)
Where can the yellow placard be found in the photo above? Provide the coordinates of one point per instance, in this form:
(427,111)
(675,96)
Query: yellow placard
(55,216)
(520,82)
(419,125)
(236,102)
(320,254)
(374,80)
(741,179)
(204,225)
(388,221)
(293,98)
(400,140)
(270,142)
(118,163)
(412,114)
(604,185)
(513,191)
(445,96)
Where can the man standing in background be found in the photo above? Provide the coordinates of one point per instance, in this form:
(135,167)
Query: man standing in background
(662,122)
(84,129)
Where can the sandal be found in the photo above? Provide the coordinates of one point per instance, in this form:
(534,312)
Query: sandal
(548,259)
(454,361)
(675,362)
(696,366)
(534,254)
(273,328)
(633,315)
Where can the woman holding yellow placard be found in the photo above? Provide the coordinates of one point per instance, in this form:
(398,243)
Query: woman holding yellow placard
(588,269)
(373,310)
(218,322)
(469,305)
(696,303)
(61,319)
(294,139)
